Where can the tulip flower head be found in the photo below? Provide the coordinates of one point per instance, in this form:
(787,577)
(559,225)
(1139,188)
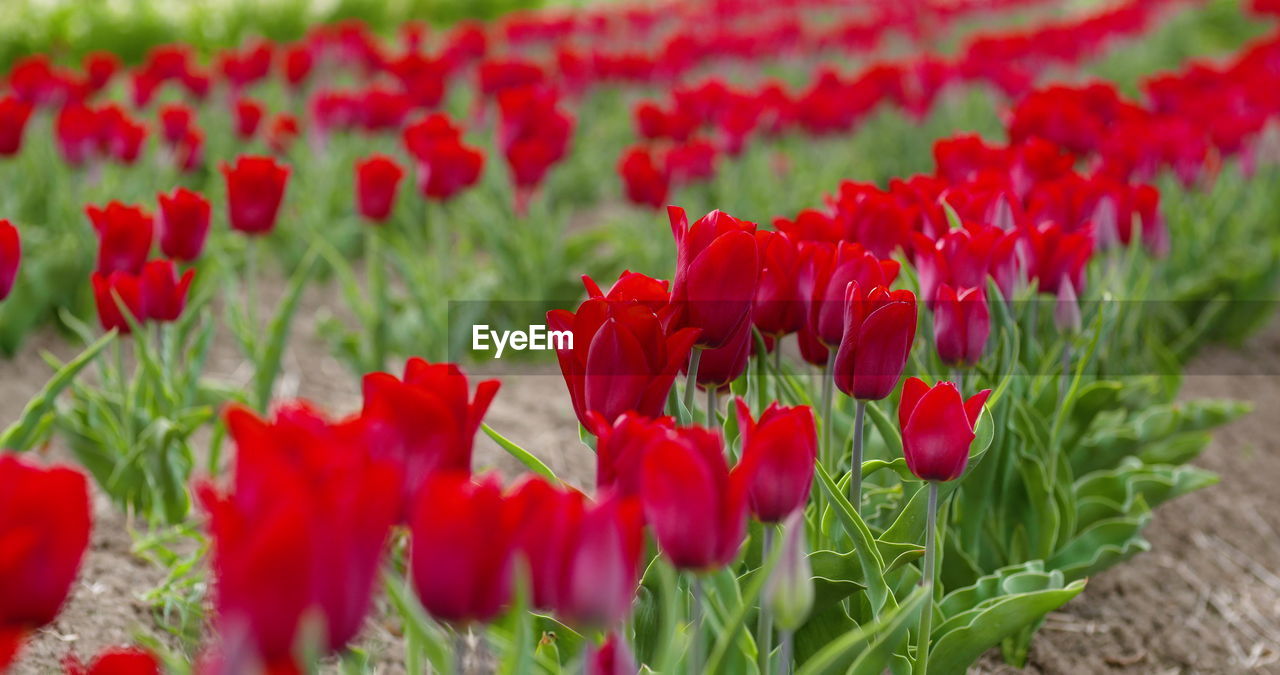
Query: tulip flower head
(184,224)
(124,237)
(255,188)
(696,504)
(717,270)
(825,272)
(961,325)
(44,523)
(10,256)
(879,328)
(937,428)
(620,448)
(14,114)
(377,178)
(779,452)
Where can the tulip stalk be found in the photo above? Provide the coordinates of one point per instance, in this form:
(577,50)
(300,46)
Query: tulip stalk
(695,617)
(855,466)
(377,280)
(691,381)
(764,622)
(926,580)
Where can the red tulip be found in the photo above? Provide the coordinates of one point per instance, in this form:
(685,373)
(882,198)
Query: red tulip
(77,132)
(446,165)
(10,256)
(533,133)
(124,237)
(1058,255)
(189,151)
(255,188)
(584,557)
(298,537)
(620,448)
(175,120)
(691,161)
(613,657)
(961,325)
(297,64)
(115,294)
(646,183)
(44,531)
(937,428)
(282,132)
(779,452)
(462,548)
(426,421)
(249,115)
(622,358)
(879,327)
(696,505)
(162,295)
(717,269)
(377,178)
(13,121)
(184,224)
(115,661)
(778,309)
(825,272)
(99,68)
(719,367)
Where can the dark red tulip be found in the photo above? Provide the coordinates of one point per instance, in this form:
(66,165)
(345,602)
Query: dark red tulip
(811,348)
(696,505)
(115,661)
(76,128)
(297,64)
(613,657)
(446,165)
(249,115)
(879,327)
(1058,255)
(645,181)
(124,237)
(533,133)
(162,294)
(778,307)
(691,161)
(99,68)
(255,188)
(10,256)
(961,324)
(463,562)
(184,224)
(620,448)
(13,121)
(622,357)
(584,557)
(114,295)
(175,120)
(44,531)
(719,367)
(188,154)
(298,538)
(282,132)
(717,269)
(778,452)
(937,428)
(377,179)
(825,272)
(425,422)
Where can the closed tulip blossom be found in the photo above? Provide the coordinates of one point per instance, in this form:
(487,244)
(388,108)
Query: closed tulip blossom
(249,115)
(646,181)
(377,178)
(10,256)
(162,294)
(879,328)
(717,269)
(961,325)
(778,309)
(297,540)
(184,224)
(622,358)
(620,449)
(255,188)
(779,452)
(825,272)
(462,548)
(115,294)
(613,657)
(124,237)
(14,114)
(696,504)
(937,428)
(44,531)
(425,421)
(719,367)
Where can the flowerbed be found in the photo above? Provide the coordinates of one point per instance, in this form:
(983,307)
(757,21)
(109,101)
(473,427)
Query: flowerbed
(976,415)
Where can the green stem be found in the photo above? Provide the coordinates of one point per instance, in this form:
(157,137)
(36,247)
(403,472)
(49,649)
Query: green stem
(828,383)
(784,652)
(764,623)
(691,381)
(926,580)
(126,403)
(855,466)
(777,369)
(251,285)
(377,280)
(695,617)
(713,408)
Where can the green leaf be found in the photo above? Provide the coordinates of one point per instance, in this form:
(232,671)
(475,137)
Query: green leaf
(526,458)
(888,431)
(269,361)
(863,542)
(868,649)
(420,630)
(35,419)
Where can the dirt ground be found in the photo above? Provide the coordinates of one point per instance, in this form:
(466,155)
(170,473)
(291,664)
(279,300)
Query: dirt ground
(1205,600)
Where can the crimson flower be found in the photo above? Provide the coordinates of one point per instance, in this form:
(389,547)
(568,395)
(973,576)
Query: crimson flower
(377,178)
(879,327)
(645,180)
(114,661)
(717,269)
(779,452)
(825,272)
(124,237)
(10,256)
(778,310)
(255,188)
(937,428)
(44,531)
(696,504)
(184,224)
(13,121)
(620,448)
(961,324)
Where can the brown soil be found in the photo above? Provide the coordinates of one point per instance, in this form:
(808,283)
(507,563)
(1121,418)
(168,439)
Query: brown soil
(1205,600)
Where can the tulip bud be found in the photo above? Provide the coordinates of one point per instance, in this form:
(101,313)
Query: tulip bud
(717,270)
(879,327)
(646,183)
(788,592)
(248,117)
(10,256)
(779,452)
(124,237)
(377,178)
(937,428)
(184,224)
(961,325)
(14,114)
(255,188)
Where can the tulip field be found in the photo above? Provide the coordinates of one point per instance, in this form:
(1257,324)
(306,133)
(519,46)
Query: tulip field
(673,336)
